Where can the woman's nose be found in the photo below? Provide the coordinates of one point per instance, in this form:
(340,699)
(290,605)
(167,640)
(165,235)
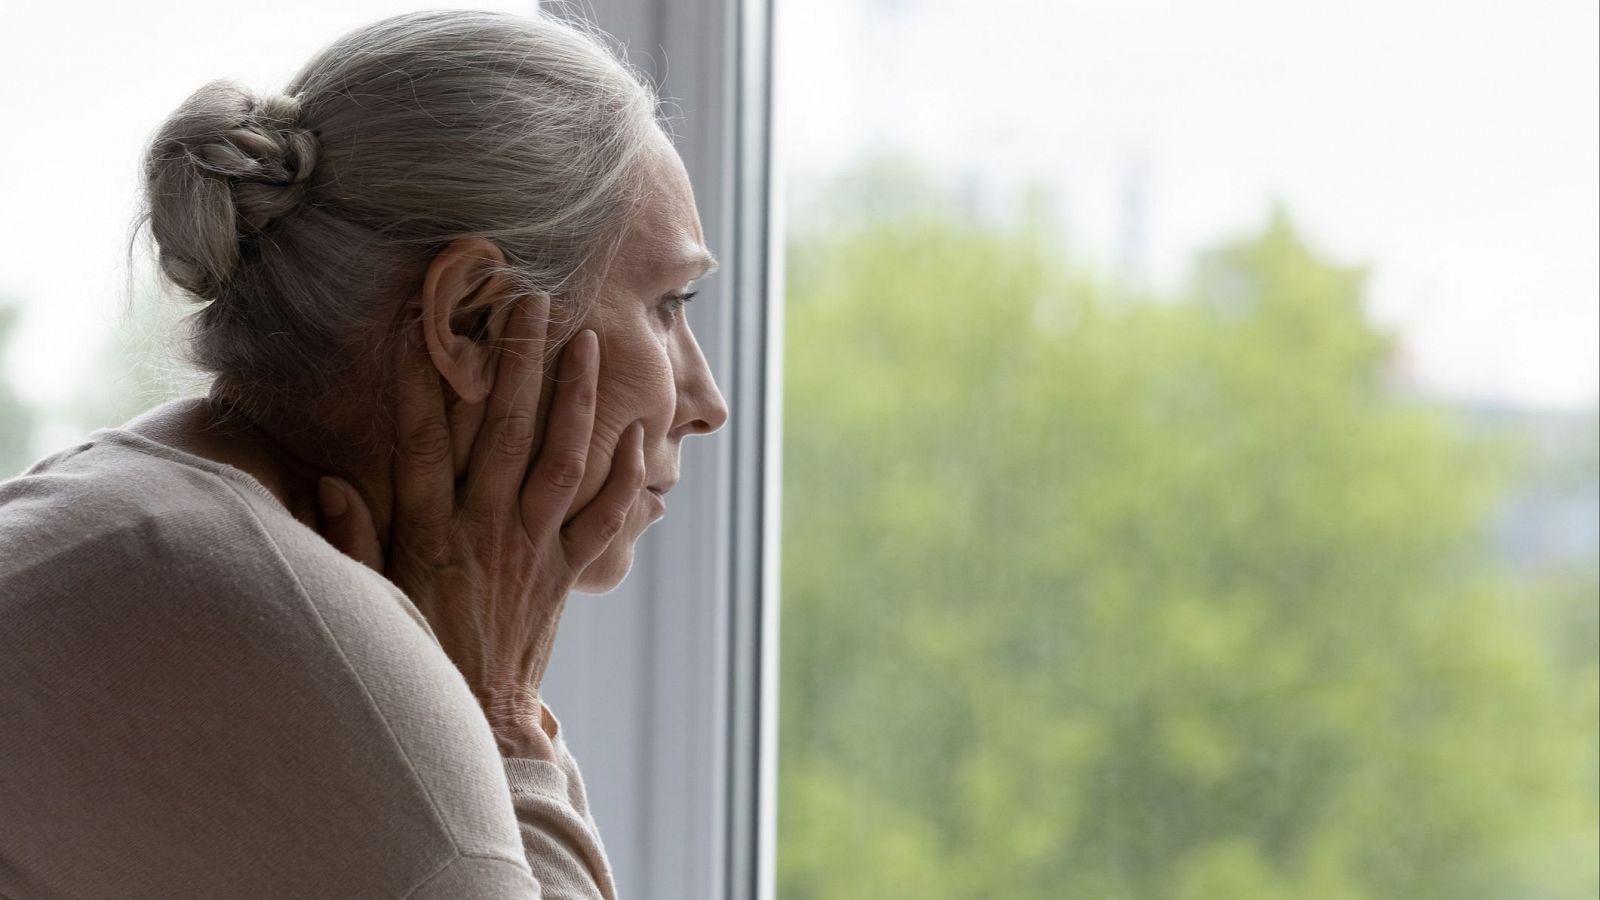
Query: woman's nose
(718,414)
(701,408)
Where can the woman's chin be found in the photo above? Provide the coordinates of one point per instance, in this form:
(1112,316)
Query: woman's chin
(607,572)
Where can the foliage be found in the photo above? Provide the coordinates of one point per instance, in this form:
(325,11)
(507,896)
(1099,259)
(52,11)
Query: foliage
(1089,595)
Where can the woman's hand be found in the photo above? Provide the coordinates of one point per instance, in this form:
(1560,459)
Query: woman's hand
(490,562)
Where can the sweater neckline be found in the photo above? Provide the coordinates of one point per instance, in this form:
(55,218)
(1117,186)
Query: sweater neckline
(136,441)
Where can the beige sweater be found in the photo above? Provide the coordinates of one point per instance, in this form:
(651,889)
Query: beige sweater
(200,697)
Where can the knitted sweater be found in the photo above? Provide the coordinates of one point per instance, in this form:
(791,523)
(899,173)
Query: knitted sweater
(200,697)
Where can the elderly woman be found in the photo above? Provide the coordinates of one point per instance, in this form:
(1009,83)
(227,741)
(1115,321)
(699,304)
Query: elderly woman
(286,640)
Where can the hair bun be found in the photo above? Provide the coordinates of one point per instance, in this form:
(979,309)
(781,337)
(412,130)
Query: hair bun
(222,168)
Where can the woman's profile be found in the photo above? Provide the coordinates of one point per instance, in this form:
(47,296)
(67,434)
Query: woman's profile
(286,639)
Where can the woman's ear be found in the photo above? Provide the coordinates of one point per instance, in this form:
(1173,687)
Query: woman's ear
(464,304)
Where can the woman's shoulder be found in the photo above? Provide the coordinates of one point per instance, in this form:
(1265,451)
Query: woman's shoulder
(118,496)
(119,510)
(162,625)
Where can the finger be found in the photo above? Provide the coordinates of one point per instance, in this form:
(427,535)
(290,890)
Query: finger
(591,531)
(548,493)
(500,452)
(347,523)
(424,480)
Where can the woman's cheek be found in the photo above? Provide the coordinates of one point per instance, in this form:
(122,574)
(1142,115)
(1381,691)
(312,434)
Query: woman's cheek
(597,465)
(614,411)
(659,394)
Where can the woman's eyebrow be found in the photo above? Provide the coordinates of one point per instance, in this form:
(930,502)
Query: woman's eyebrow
(688,263)
(700,262)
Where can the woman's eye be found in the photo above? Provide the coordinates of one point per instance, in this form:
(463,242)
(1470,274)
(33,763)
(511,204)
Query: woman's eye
(674,303)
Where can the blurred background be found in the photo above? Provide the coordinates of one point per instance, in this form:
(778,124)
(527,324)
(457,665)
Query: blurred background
(1191,485)
(1191,476)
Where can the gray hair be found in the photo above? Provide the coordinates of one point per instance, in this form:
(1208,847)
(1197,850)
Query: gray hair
(302,218)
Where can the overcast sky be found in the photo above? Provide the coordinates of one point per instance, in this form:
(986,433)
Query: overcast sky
(1452,146)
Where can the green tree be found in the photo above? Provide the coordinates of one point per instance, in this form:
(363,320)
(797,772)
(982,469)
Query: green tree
(1155,597)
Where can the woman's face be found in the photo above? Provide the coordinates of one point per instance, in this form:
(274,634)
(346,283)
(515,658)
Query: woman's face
(651,367)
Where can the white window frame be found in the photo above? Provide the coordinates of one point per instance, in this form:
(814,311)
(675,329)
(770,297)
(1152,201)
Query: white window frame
(667,687)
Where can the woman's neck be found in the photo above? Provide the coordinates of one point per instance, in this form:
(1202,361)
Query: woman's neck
(210,428)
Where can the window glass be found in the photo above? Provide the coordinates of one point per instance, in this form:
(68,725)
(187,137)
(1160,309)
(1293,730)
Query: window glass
(1190,479)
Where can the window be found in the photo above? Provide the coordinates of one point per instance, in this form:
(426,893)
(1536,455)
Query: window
(1189,450)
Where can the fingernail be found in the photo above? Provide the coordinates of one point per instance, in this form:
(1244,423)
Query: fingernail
(334,502)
